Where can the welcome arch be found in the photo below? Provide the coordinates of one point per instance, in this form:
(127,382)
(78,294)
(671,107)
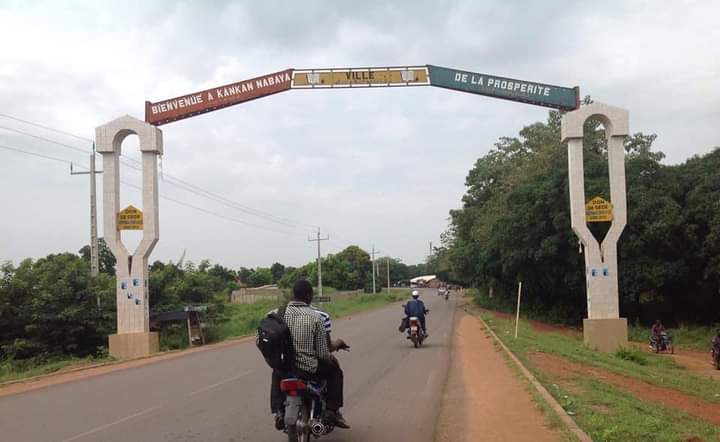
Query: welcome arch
(603,328)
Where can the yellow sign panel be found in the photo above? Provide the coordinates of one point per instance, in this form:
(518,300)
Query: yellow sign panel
(130,218)
(598,210)
(363,77)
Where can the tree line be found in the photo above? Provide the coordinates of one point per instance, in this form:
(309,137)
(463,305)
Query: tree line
(514,225)
(51,307)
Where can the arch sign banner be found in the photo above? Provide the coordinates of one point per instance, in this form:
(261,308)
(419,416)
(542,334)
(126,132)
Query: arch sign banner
(547,95)
(185,106)
(360,77)
(209,100)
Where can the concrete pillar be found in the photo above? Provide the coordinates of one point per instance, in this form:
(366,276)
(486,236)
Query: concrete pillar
(603,329)
(133,337)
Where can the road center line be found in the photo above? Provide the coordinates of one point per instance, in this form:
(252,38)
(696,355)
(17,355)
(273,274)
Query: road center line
(119,421)
(217,384)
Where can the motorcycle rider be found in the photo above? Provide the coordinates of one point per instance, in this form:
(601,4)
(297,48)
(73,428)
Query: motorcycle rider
(656,332)
(716,341)
(313,345)
(415,307)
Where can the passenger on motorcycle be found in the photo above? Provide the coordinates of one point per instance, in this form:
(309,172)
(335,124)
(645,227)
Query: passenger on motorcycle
(716,340)
(310,331)
(415,307)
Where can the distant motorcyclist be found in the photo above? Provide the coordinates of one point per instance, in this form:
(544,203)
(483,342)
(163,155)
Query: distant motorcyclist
(415,307)
(715,350)
(657,330)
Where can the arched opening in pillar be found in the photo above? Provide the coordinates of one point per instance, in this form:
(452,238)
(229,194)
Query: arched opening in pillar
(131,186)
(595,166)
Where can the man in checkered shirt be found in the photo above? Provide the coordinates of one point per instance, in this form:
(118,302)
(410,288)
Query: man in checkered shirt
(309,329)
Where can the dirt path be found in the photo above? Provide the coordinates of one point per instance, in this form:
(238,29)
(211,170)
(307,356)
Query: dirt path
(540,326)
(484,400)
(696,361)
(568,370)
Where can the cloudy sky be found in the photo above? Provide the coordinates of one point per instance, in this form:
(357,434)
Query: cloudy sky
(380,166)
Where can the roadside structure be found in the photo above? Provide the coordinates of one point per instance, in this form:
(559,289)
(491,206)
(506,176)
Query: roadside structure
(603,329)
(133,337)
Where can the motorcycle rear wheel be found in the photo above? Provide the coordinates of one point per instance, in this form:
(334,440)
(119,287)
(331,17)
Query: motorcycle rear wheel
(292,431)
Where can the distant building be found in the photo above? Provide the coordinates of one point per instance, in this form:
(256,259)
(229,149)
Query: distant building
(425,281)
(252,295)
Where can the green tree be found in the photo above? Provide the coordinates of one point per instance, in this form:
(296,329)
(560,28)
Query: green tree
(514,224)
(277,270)
(260,276)
(106,259)
(49,307)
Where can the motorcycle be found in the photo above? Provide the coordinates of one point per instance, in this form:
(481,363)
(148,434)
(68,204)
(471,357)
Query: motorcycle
(716,355)
(415,331)
(305,407)
(665,343)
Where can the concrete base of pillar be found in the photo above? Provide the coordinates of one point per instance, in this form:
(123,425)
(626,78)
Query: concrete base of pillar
(134,345)
(605,334)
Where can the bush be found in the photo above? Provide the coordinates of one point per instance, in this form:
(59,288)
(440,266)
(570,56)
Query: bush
(632,355)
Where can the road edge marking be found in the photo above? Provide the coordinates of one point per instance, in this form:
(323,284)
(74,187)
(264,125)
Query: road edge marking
(119,421)
(571,425)
(223,382)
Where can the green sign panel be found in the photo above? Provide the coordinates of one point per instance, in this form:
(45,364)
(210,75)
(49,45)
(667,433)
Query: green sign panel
(548,95)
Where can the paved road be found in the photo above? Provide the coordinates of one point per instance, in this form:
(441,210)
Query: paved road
(392,392)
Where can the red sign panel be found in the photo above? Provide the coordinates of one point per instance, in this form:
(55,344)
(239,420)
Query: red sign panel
(186,106)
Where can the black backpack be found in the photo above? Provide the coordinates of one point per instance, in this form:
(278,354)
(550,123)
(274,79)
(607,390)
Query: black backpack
(274,341)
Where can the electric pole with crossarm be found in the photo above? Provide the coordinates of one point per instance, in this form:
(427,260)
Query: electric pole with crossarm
(94,254)
(319,264)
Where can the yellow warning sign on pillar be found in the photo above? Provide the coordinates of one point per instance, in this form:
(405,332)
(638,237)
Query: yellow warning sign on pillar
(598,210)
(130,218)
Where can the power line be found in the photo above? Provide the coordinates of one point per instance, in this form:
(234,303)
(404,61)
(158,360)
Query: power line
(47,157)
(172,180)
(46,139)
(210,212)
(45,127)
(184,185)
(219,199)
(182,203)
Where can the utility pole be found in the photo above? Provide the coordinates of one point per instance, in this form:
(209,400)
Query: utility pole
(319,264)
(373,266)
(94,254)
(388,273)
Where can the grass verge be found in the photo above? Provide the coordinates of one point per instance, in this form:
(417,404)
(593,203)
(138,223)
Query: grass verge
(10,371)
(606,412)
(243,319)
(550,415)
(690,336)
(696,337)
